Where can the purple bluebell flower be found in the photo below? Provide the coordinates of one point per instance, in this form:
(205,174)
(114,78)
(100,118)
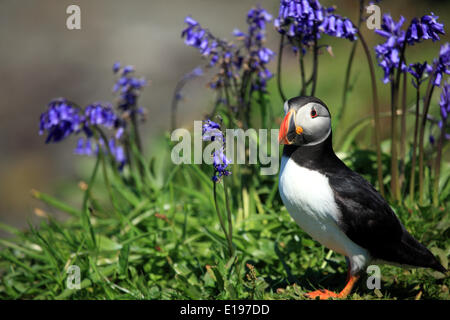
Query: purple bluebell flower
(60,120)
(118,153)
(119,132)
(444,104)
(195,36)
(337,26)
(418,71)
(216,51)
(441,64)
(258,55)
(220,163)
(424,28)
(116,67)
(211,131)
(84,147)
(128,88)
(98,114)
(388,53)
(256,19)
(308,20)
(432,139)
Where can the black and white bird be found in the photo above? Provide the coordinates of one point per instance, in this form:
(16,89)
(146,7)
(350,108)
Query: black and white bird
(335,205)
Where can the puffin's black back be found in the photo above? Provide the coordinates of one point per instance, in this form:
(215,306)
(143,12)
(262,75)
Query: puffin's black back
(367,219)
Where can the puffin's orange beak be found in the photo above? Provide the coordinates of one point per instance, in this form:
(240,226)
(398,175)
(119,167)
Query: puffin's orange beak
(287,126)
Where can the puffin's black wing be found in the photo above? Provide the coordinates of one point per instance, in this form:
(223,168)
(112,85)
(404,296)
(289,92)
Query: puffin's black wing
(368,220)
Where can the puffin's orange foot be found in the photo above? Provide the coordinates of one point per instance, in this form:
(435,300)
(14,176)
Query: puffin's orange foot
(323,294)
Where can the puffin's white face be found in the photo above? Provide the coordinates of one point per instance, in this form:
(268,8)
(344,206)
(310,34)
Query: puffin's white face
(308,124)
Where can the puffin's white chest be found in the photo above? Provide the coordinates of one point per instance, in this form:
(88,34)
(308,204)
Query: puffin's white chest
(309,200)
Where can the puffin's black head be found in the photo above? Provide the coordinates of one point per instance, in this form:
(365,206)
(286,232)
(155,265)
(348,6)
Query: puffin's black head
(307,122)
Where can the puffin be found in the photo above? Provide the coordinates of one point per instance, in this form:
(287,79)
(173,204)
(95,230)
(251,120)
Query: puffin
(335,205)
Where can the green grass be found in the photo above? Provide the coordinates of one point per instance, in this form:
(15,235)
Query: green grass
(163,241)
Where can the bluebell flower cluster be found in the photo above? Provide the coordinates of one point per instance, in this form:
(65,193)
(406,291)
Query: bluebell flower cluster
(218,52)
(98,114)
(209,46)
(308,19)
(211,131)
(60,120)
(258,55)
(424,28)
(233,60)
(128,87)
(388,53)
(63,119)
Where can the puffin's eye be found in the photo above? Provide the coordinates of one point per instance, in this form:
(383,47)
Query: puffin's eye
(314,113)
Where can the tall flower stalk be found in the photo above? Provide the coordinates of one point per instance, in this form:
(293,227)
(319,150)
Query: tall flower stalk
(418,71)
(391,57)
(376,114)
(440,68)
(444,112)
(349,67)
(212,131)
(242,65)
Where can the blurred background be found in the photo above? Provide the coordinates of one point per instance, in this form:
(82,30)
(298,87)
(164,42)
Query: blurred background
(41,59)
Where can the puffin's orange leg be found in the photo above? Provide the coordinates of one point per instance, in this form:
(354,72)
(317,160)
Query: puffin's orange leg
(326,294)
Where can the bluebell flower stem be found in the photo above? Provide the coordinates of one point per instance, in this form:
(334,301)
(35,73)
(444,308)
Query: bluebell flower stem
(346,83)
(229,217)
(394,157)
(302,69)
(315,62)
(376,112)
(349,66)
(403,133)
(426,105)
(221,221)
(137,138)
(437,168)
(108,149)
(412,178)
(267,111)
(105,177)
(86,220)
(279,67)
(395,84)
(241,96)
(217,104)
(174,105)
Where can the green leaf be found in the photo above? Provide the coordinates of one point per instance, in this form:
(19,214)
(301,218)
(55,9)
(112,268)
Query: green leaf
(106,244)
(123,259)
